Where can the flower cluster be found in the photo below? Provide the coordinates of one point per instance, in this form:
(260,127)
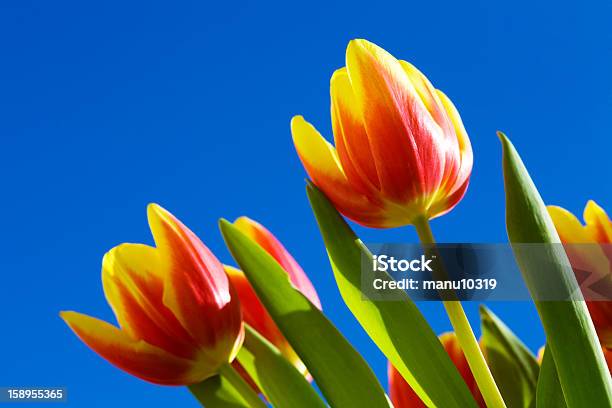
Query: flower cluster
(401,157)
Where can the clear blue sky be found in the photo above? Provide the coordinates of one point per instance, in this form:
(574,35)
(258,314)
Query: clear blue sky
(106,107)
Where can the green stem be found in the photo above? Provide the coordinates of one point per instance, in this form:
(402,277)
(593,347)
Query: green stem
(465,335)
(211,391)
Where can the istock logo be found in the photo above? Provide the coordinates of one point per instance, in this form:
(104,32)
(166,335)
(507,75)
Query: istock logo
(386,263)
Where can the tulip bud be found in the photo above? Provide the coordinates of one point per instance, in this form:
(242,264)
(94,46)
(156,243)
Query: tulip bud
(179,317)
(401,149)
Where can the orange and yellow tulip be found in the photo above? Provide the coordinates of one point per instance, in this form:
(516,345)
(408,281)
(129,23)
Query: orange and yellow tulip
(254,312)
(596,260)
(401,148)
(179,316)
(403,396)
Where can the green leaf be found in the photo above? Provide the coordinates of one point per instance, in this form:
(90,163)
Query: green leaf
(246,361)
(513,366)
(571,337)
(549,393)
(398,328)
(282,384)
(217,392)
(344,377)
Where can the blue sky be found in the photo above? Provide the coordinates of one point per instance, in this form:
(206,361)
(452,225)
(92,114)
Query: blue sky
(106,107)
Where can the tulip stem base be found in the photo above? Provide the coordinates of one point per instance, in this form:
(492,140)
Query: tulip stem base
(465,334)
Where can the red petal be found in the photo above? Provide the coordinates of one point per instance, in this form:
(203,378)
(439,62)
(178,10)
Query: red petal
(134,289)
(267,241)
(408,146)
(400,392)
(135,357)
(196,287)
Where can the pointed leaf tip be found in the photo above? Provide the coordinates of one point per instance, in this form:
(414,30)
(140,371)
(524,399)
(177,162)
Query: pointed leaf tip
(571,337)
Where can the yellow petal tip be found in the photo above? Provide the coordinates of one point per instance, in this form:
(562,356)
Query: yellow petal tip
(68,316)
(591,204)
(247,226)
(339,73)
(154,208)
(242,220)
(299,129)
(296,120)
(232,270)
(355,42)
(157,213)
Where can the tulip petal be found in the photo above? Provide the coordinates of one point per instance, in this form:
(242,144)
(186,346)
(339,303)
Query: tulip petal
(433,100)
(591,263)
(405,140)
(599,226)
(267,241)
(134,290)
(400,392)
(459,182)
(598,223)
(256,315)
(601,314)
(350,136)
(318,155)
(567,225)
(133,356)
(403,396)
(253,311)
(453,349)
(196,287)
(321,162)
(428,95)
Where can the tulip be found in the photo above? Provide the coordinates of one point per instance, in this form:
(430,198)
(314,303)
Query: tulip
(596,260)
(403,396)
(254,312)
(401,149)
(401,156)
(179,317)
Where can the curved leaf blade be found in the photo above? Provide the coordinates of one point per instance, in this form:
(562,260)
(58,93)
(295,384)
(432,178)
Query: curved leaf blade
(571,337)
(282,384)
(398,328)
(549,392)
(513,366)
(343,376)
